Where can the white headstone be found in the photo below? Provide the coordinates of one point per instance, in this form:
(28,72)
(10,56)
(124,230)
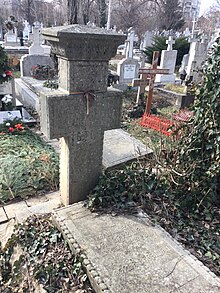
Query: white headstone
(26,30)
(127,70)
(11,37)
(197,54)
(130,42)
(186,32)
(148,39)
(36,48)
(184,62)
(168,60)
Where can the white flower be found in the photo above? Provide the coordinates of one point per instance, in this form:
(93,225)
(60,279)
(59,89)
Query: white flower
(7,124)
(7,99)
(4,75)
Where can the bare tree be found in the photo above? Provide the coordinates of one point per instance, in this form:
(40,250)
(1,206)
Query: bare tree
(171,15)
(139,14)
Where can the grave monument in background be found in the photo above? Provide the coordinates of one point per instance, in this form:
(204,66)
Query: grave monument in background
(37,54)
(128,67)
(168,60)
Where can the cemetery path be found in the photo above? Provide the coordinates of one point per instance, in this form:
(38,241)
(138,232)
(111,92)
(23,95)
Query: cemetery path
(127,254)
(19,211)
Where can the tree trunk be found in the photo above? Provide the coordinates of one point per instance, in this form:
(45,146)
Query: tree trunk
(72,11)
(102,13)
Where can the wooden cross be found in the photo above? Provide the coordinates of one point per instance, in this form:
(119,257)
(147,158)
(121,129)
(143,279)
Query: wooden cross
(152,72)
(141,83)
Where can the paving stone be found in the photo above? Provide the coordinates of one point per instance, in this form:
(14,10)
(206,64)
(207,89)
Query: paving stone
(6,229)
(45,207)
(3,216)
(36,200)
(53,195)
(119,147)
(131,255)
(14,208)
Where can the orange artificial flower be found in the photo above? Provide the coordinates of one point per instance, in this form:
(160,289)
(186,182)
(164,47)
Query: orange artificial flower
(19,126)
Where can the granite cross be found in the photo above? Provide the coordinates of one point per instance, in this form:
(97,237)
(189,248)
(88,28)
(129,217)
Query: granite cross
(81,109)
(152,72)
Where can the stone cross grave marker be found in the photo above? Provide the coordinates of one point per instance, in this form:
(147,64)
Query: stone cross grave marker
(152,72)
(26,29)
(81,109)
(170,42)
(36,37)
(168,60)
(129,44)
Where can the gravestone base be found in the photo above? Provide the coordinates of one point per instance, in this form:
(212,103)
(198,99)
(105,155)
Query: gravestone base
(127,254)
(180,101)
(168,78)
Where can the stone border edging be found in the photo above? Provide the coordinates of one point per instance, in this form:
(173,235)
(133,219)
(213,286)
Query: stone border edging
(95,279)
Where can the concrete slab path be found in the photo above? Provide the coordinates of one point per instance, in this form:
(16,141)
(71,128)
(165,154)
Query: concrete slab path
(126,254)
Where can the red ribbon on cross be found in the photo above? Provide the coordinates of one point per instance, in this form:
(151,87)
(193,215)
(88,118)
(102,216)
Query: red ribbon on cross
(88,96)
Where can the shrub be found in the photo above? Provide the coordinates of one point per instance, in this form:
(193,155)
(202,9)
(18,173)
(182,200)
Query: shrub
(43,72)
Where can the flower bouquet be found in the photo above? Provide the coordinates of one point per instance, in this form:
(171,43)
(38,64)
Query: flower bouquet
(7,103)
(43,72)
(14,126)
(5,70)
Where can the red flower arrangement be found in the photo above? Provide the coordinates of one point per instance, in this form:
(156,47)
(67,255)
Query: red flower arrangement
(8,73)
(11,127)
(5,70)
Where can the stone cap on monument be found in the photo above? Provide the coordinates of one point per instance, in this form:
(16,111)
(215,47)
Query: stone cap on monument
(81,42)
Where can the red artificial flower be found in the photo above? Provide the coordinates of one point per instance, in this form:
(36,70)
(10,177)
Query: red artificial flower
(19,126)
(8,73)
(11,129)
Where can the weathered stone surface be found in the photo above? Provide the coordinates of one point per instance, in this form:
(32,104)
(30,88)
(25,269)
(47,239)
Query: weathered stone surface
(119,147)
(13,208)
(180,101)
(83,54)
(65,115)
(81,109)
(6,230)
(3,216)
(81,42)
(130,255)
(73,75)
(34,205)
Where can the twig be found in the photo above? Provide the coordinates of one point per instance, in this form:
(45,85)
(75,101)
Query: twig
(174,267)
